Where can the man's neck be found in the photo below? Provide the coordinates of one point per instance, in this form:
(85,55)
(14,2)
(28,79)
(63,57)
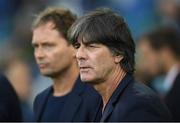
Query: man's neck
(107,88)
(64,83)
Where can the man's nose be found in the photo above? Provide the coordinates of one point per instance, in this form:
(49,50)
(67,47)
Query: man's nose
(80,53)
(39,53)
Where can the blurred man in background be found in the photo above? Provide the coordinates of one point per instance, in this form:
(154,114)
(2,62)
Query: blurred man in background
(160,50)
(169,12)
(68,99)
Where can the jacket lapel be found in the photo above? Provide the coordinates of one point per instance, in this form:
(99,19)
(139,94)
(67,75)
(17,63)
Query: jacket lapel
(107,112)
(98,112)
(115,97)
(42,103)
(72,103)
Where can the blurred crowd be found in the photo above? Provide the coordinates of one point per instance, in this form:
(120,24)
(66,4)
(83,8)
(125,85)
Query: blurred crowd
(154,24)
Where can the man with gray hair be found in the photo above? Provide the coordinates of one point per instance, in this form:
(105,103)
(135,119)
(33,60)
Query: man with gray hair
(105,53)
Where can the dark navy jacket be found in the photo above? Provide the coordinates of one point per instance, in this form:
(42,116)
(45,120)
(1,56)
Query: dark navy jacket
(81,105)
(133,101)
(172,99)
(9,103)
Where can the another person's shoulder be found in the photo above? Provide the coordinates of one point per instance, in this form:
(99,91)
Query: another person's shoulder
(43,93)
(143,91)
(4,83)
(135,90)
(6,87)
(143,94)
(3,78)
(10,105)
(146,100)
(41,96)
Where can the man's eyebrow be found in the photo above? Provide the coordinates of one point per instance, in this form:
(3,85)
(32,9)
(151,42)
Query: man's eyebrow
(89,42)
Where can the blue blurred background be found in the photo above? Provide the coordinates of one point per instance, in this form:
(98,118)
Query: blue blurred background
(16,16)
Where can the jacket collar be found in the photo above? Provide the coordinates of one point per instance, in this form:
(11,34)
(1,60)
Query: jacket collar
(42,102)
(115,96)
(72,102)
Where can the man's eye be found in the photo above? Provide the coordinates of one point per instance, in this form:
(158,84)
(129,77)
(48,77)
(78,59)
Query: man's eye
(76,46)
(34,46)
(48,45)
(93,45)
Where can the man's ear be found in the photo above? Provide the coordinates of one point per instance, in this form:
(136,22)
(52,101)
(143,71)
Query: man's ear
(118,58)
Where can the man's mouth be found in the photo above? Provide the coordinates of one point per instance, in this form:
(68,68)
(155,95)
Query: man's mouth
(42,66)
(84,69)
